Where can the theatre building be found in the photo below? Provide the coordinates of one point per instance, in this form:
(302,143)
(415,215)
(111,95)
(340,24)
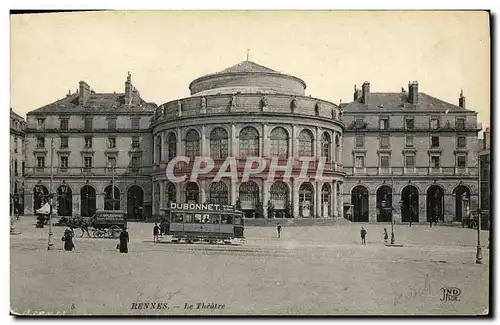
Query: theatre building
(249,110)
(409,151)
(99,146)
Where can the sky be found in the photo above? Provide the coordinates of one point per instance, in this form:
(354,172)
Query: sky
(445,51)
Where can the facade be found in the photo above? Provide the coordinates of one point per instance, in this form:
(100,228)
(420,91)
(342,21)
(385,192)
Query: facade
(250,111)
(485,174)
(92,140)
(17,150)
(412,152)
(406,150)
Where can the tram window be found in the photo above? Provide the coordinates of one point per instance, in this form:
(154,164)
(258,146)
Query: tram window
(178,218)
(188,218)
(216,219)
(237,220)
(227,220)
(197,218)
(206,218)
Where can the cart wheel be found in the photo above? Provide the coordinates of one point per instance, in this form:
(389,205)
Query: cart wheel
(99,233)
(114,232)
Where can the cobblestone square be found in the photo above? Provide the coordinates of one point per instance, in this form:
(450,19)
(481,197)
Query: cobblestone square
(310,270)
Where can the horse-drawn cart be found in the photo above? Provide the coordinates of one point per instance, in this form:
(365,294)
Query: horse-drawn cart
(107,224)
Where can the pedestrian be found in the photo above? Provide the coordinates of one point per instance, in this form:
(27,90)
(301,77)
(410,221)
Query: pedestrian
(386,235)
(16,212)
(363,236)
(411,217)
(124,240)
(156,231)
(430,222)
(68,240)
(84,227)
(278,228)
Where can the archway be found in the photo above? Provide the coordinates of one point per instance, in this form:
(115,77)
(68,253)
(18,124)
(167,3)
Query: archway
(359,200)
(64,201)
(192,193)
(110,202)
(219,193)
(87,201)
(40,193)
(135,201)
(384,204)
(326,200)
(280,200)
(435,203)
(409,195)
(461,194)
(248,198)
(171,193)
(306,200)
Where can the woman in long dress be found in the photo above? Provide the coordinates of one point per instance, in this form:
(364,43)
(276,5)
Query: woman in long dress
(124,239)
(68,240)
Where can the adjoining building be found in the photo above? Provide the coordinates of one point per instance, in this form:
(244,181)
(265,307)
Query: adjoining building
(485,173)
(17,154)
(409,151)
(249,110)
(94,140)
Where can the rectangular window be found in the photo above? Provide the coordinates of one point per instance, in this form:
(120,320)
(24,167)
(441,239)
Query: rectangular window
(15,145)
(360,141)
(88,142)
(64,124)
(410,161)
(434,123)
(112,142)
(435,161)
(41,122)
(135,123)
(135,142)
(135,162)
(461,161)
(384,123)
(461,141)
(384,141)
(434,141)
(409,141)
(112,124)
(88,123)
(460,124)
(409,123)
(64,142)
(64,162)
(385,162)
(87,162)
(360,161)
(40,142)
(40,162)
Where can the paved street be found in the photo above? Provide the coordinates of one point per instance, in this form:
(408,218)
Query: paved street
(310,270)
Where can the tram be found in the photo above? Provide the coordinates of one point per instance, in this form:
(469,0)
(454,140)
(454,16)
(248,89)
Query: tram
(212,223)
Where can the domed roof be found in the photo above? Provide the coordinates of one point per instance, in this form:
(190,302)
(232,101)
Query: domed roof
(247,66)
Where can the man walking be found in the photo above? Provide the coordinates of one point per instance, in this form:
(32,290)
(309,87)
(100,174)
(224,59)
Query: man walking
(363,236)
(156,231)
(278,228)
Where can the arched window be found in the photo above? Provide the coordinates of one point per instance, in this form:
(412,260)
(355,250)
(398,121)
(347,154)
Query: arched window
(219,144)
(15,168)
(158,149)
(192,144)
(170,192)
(219,193)
(337,148)
(249,142)
(325,146)
(192,193)
(305,143)
(279,143)
(172,146)
(279,195)
(249,195)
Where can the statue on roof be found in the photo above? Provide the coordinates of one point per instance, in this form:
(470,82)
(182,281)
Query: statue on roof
(233,101)
(203,102)
(129,77)
(179,108)
(293,104)
(263,102)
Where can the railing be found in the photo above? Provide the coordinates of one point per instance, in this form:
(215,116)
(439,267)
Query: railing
(410,171)
(371,128)
(88,171)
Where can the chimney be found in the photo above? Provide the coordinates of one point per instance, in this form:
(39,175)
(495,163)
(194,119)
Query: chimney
(366,92)
(413,93)
(487,137)
(128,89)
(84,93)
(357,92)
(461,99)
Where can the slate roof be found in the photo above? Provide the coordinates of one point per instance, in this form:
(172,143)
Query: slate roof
(399,102)
(97,103)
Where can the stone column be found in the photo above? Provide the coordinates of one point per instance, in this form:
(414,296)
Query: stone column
(265,148)
(295,196)
(398,218)
(339,158)
(334,207)
(153,198)
(422,208)
(233,145)
(341,201)
(204,148)
(163,146)
(179,151)
(318,200)
(333,149)
(372,208)
(265,197)
(234,196)
(317,143)
(178,196)
(203,194)
(162,194)
(75,206)
(449,207)
(295,147)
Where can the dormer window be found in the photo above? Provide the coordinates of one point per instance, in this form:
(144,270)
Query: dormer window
(41,122)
